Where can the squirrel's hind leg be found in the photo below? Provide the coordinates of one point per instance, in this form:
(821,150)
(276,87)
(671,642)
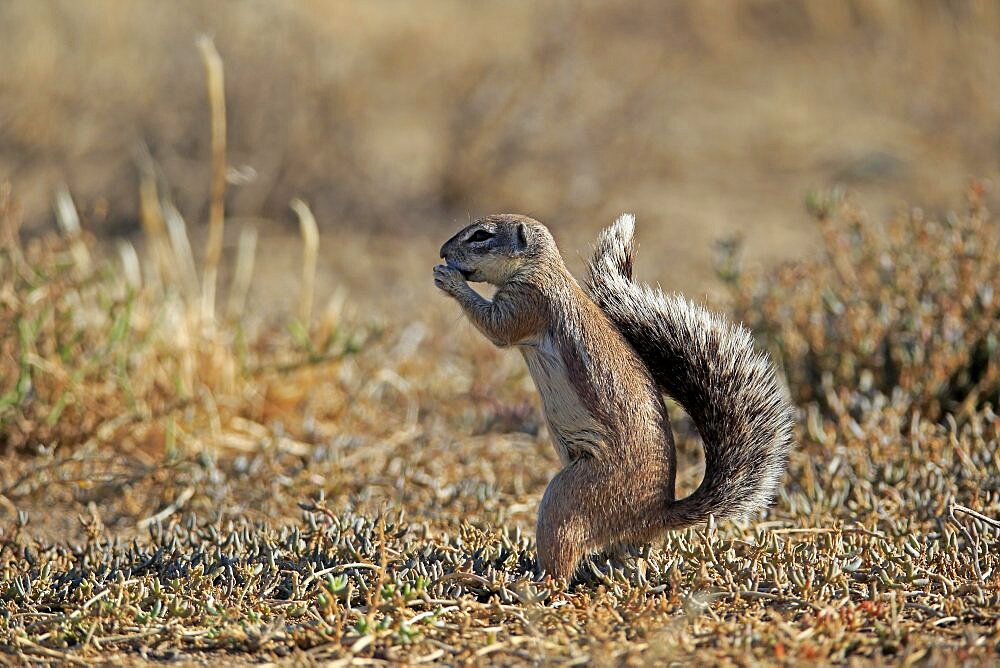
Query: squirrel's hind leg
(591,504)
(570,517)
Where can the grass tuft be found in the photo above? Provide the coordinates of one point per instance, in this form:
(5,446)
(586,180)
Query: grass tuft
(907,306)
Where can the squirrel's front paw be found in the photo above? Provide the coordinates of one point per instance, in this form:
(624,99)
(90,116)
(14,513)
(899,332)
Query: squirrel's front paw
(448,278)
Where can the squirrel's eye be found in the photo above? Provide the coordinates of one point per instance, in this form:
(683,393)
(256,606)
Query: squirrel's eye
(480,235)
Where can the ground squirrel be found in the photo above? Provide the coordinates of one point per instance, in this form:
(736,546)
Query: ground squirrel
(600,363)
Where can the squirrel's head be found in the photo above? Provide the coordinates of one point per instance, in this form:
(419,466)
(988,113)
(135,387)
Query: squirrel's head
(496,247)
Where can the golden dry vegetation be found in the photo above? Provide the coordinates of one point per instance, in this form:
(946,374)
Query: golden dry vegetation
(298,451)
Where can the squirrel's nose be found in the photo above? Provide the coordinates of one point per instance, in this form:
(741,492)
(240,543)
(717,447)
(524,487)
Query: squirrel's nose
(448,244)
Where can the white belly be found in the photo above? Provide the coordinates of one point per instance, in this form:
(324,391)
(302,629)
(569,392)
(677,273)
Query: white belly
(574,430)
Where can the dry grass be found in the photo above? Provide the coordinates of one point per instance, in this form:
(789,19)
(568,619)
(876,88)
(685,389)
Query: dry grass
(342,491)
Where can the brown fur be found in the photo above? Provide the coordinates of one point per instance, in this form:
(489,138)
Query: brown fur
(601,401)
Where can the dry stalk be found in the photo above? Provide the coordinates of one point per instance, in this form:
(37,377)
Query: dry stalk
(180,245)
(151,214)
(310,251)
(952,507)
(131,268)
(172,508)
(245,255)
(216,217)
(10,224)
(69,222)
(979,516)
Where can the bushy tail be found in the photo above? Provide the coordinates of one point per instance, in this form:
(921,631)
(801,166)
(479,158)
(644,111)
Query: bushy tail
(710,367)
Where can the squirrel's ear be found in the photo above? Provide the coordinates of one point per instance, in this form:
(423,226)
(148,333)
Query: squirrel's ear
(522,236)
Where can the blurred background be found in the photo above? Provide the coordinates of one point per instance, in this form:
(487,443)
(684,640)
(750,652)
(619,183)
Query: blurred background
(399,121)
